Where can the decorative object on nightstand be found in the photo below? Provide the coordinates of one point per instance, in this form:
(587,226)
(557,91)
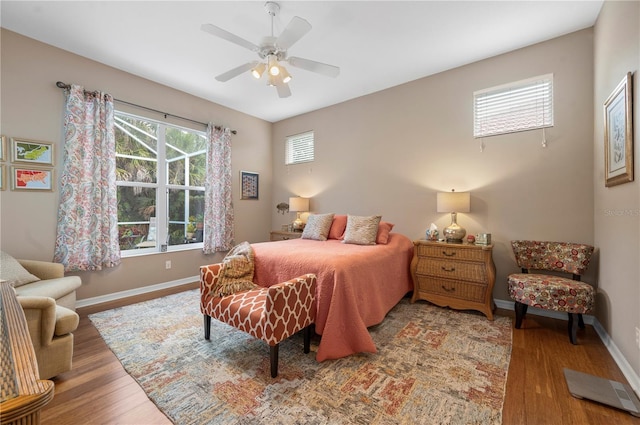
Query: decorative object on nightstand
(282,235)
(298,205)
(453,202)
(459,276)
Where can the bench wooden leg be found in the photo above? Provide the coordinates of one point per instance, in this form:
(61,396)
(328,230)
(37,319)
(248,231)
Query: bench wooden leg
(207,327)
(521,311)
(273,357)
(307,339)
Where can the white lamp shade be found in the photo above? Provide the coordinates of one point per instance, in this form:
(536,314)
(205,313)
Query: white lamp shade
(298,204)
(448,202)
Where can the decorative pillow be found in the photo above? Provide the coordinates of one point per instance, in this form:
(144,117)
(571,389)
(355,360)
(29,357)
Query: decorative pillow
(317,227)
(12,271)
(361,230)
(337,226)
(384,228)
(237,271)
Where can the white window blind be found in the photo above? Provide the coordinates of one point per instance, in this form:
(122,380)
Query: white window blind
(299,148)
(519,106)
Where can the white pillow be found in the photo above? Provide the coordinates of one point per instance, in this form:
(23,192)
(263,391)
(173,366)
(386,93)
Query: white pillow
(361,230)
(317,227)
(12,271)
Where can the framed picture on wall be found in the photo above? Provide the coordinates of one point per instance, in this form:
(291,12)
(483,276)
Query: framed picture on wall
(31,151)
(249,185)
(32,179)
(618,134)
(3,147)
(3,184)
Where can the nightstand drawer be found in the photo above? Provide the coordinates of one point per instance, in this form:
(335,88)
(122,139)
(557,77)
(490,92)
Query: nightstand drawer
(475,272)
(468,291)
(451,252)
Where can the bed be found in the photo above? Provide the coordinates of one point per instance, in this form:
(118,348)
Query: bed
(356,285)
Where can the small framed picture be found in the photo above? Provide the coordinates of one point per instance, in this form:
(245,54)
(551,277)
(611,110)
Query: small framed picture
(249,185)
(32,178)
(3,184)
(31,151)
(618,134)
(3,148)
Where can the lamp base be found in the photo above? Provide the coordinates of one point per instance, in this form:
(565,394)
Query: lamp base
(454,233)
(298,224)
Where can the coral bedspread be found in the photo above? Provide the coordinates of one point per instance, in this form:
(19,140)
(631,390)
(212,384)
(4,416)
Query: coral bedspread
(356,287)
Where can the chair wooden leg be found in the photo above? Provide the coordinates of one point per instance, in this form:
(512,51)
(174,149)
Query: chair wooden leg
(273,357)
(521,311)
(307,339)
(207,327)
(573,328)
(580,321)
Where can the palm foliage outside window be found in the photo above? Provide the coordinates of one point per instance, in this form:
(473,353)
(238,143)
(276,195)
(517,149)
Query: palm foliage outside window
(160,173)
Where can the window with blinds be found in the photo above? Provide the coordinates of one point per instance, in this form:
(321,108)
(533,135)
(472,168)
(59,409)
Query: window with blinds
(519,106)
(299,148)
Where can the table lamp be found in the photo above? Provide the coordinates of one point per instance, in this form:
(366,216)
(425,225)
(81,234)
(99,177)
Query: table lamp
(298,205)
(454,202)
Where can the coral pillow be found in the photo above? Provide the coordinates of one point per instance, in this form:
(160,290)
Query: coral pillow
(337,226)
(384,228)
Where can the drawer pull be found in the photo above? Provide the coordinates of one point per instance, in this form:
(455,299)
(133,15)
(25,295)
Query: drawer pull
(448,289)
(452,269)
(285,238)
(446,254)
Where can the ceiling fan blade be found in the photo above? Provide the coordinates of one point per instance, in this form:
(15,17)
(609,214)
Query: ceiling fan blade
(283,90)
(294,31)
(236,71)
(226,35)
(313,66)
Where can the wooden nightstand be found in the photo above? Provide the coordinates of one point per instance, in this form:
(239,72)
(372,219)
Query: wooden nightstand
(279,235)
(459,276)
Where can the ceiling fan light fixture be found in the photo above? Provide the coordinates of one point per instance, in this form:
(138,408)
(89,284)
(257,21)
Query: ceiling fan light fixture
(258,70)
(273,80)
(286,77)
(274,68)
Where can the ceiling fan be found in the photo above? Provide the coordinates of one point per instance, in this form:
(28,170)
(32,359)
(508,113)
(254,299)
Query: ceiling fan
(273,52)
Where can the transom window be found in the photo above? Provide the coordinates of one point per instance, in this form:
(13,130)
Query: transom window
(160,173)
(299,148)
(519,106)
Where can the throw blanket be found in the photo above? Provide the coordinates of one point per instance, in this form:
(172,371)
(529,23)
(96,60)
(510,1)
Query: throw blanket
(237,271)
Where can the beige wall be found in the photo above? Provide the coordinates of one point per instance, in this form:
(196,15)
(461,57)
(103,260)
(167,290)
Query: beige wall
(617,208)
(390,152)
(32,108)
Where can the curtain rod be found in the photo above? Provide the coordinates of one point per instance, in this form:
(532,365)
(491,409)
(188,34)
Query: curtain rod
(62,85)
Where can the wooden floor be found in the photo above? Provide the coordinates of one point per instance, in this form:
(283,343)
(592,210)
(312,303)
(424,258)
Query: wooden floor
(99,391)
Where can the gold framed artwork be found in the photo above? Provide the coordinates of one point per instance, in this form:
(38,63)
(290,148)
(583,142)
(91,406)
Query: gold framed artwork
(32,179)
(31,151)
(618,134)
(3,184)
(249,185)
(3,148)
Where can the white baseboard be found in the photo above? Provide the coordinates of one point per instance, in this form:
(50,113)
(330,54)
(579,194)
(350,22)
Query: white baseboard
(623,364)
(132,292)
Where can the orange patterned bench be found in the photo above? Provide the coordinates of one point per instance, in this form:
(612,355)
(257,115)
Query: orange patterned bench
(271,314)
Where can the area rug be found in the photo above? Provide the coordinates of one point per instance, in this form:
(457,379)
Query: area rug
(434,366)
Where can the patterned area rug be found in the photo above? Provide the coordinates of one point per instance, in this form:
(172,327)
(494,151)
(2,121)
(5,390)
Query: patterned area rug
(433,366)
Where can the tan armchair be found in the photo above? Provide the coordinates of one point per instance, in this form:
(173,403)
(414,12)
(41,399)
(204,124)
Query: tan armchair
(49,307)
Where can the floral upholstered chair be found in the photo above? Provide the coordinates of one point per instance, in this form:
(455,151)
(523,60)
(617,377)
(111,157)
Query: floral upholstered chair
(552,291)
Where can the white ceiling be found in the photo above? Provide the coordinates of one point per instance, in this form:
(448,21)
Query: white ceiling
(377,44)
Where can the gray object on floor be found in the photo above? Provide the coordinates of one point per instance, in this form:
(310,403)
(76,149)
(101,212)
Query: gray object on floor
(605,391)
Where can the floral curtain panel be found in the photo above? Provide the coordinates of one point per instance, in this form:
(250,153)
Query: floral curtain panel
(87,230)
(218,200)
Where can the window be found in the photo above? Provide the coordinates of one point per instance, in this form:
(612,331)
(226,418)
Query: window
(160,172)
(518,106)
(299,148)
